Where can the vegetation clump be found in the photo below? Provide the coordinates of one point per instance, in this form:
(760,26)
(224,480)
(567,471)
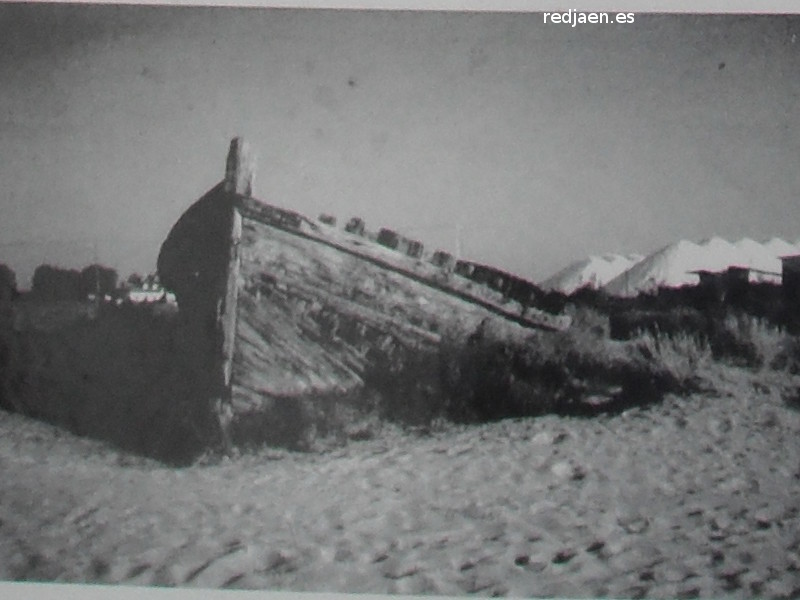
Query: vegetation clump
(582,371)
(606,364)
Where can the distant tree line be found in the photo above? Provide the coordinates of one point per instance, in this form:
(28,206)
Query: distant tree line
(8,283)
(55,283)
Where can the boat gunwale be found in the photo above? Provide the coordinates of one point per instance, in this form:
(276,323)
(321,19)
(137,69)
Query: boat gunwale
(244,205)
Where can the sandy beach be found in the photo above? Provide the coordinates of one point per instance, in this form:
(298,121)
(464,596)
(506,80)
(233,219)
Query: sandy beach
(694,497)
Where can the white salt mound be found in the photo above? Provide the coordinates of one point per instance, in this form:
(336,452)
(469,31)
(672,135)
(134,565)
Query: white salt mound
(673,265)
(781,247)
(593,271)
(667,266)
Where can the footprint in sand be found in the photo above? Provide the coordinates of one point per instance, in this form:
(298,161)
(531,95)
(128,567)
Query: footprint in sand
(564,556)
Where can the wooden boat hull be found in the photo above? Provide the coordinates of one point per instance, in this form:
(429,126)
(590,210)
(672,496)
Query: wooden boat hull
(297,315)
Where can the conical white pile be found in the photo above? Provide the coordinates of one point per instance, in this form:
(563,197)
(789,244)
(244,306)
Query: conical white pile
(594,272)
(672,265)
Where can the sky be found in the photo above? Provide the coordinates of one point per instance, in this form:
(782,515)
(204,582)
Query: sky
(526,145)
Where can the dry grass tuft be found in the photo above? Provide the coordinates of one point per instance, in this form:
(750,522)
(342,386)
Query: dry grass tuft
(751,342)
(683,355)
(580,371)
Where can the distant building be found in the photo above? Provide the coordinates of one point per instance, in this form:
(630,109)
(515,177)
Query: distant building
(790,270)
(356,226)
(712,284)
(737,275)
(750,275)
(149,291)
(732,282)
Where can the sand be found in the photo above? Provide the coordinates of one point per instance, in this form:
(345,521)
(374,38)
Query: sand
(695,497)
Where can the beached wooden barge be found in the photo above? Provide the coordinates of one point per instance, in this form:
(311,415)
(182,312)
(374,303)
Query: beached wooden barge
(291,312)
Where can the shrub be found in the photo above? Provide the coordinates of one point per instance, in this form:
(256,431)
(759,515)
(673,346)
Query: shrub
(124,376)
(768,340)
(629,324)
(490,377)
(787,357)
(589,320)
(731,336)
(682,354)
(746,340)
